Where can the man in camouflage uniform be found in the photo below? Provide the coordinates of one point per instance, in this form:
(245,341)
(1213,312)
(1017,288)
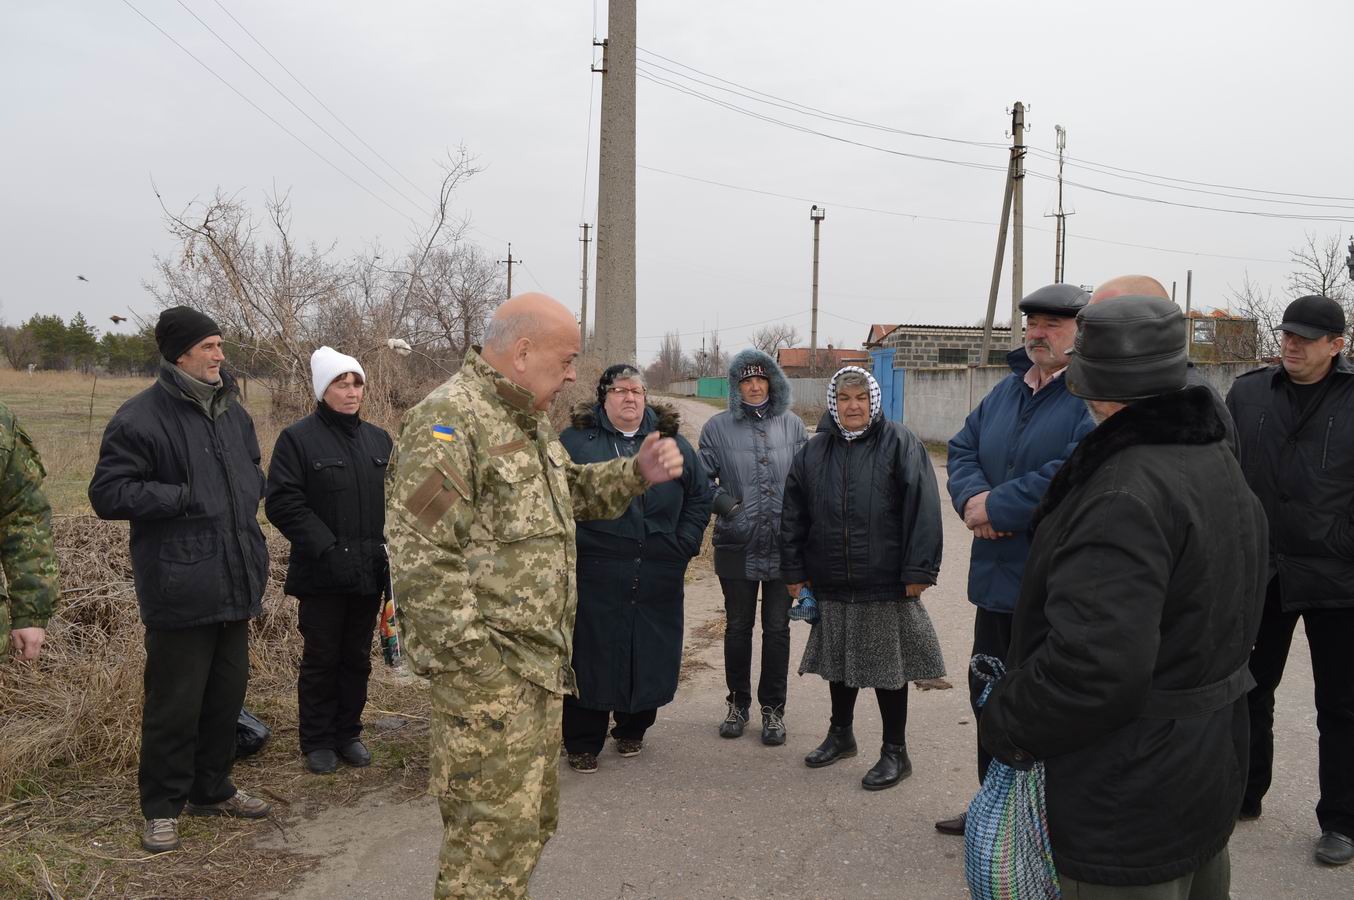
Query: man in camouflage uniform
(26,552)
(481,507)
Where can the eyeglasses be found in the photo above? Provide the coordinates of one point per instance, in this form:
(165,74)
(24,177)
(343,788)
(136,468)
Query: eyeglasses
(625,392)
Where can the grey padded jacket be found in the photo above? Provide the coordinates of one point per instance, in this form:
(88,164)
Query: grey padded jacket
(747,457)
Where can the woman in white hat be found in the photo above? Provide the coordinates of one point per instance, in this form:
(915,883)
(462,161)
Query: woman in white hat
(326,495)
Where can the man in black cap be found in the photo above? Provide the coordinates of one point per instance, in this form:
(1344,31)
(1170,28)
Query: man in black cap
(1001,462)
(1296,419)
(180,460)
(1142,595)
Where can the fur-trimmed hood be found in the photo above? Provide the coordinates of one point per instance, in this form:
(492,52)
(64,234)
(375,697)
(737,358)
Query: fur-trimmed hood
(658,417)
(779,391)
(1189,416)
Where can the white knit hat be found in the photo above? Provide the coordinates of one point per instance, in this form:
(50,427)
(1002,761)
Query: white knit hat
(326,364)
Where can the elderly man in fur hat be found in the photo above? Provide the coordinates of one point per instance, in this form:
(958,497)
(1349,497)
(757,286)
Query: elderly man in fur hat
(747,453)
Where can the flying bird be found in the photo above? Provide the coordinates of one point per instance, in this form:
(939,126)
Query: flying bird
(81,278)
(118,319)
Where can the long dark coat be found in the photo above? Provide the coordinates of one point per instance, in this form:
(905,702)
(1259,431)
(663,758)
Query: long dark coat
(631,570)
(191,486)
(1127,672)
(326,494)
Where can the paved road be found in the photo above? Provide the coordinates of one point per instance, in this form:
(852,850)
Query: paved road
(698,816)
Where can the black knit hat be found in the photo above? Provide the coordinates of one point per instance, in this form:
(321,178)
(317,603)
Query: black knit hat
(1128,348)
(618,372)
(181,328)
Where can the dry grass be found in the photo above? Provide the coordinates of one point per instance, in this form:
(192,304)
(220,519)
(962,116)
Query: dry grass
(69,741)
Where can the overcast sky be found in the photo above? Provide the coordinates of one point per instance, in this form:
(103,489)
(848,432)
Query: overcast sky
(1251,95)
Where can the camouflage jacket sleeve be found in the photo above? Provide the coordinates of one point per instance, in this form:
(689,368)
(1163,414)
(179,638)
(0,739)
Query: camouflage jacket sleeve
(26,550)
(604,490)
(430,517)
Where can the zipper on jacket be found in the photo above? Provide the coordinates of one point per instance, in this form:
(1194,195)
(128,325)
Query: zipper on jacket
(1325,447)
(1260,429)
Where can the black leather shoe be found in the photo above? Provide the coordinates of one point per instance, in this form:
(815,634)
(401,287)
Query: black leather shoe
(953,826)
(1334,849)
(322,762)
(893,767)
(840,743)
(355,754)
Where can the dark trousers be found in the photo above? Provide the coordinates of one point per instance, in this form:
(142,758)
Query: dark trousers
(335,666)
(195,681)
(585,729)
(991,637)
(740,610)
(892,709)
(1330,637)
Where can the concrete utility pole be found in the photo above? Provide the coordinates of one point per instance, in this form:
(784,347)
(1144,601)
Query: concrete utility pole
(1017,219)
(615,290)
(1189,305)
(583,307)
(816,214)
(1060,240)
(510,262)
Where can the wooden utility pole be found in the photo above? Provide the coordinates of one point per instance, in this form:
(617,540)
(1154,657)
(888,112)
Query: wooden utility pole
(510,263)
(1017,219)
(816,214)
(583,307)
(1189,306)
(615,289)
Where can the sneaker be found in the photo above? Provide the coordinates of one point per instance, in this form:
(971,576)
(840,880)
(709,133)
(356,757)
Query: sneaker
(583,763)
(628,748)
(240,806)
(161,835)
(773,726)
(734,722)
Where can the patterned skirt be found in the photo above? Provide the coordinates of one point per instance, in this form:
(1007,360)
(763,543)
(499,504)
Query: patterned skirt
(879,644)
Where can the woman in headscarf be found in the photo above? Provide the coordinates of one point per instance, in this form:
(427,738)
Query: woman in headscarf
(326,494)
(628,633)
(861,525)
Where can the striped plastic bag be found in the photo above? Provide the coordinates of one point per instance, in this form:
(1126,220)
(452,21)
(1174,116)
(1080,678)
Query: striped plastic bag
(1007,852)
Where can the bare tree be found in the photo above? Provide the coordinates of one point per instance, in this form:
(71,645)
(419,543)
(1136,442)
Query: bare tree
(671,364)
(18,345)
(771,338)
(1259,303)
(1320,269)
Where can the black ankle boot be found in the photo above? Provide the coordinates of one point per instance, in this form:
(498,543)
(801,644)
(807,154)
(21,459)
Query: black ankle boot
(840,743)
(893,767)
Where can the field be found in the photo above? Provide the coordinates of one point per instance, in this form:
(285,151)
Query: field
(69,818)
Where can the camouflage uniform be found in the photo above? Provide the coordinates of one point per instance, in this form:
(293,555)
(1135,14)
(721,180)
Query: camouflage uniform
(481,507)
(26,552)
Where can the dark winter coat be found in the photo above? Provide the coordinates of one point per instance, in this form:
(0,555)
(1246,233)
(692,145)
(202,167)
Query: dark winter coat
(746,457)
(1011,445)
(861,518)
(1301,466)
(326,494)
(1127,673)
(631,571)
(191,486)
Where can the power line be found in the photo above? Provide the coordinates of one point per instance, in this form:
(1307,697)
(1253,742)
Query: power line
(909,215)
(324,105)
(755,95)
(587,146)
(269,117)
(780,318)
(283,94)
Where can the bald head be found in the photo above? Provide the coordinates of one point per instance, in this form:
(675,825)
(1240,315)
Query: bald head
(532,340)
(1130,286)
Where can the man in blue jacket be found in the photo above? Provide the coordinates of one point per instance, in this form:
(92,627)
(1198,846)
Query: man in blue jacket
(1000,463)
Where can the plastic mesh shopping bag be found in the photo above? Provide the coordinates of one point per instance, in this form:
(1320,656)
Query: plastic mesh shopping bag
(1007,852)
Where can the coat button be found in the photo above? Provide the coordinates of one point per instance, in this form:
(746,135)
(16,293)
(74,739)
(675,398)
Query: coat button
(1292,439)
(1020,756)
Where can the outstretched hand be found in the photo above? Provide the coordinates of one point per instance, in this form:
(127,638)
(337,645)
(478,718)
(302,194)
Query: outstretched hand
(659,459)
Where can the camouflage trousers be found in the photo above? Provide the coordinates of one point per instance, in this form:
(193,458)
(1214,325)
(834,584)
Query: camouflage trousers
(495,773)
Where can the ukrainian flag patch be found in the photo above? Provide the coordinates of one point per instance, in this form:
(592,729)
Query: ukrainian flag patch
(444,433)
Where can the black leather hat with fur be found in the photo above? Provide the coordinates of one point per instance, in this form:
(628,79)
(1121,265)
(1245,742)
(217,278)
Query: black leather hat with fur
(1128,348)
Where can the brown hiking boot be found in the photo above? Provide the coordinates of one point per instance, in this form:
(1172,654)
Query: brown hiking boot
(240,806)
(161,835)
(628,748)
(583,763)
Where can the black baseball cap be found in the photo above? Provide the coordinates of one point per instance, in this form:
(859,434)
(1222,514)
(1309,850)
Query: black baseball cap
(1313,316)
